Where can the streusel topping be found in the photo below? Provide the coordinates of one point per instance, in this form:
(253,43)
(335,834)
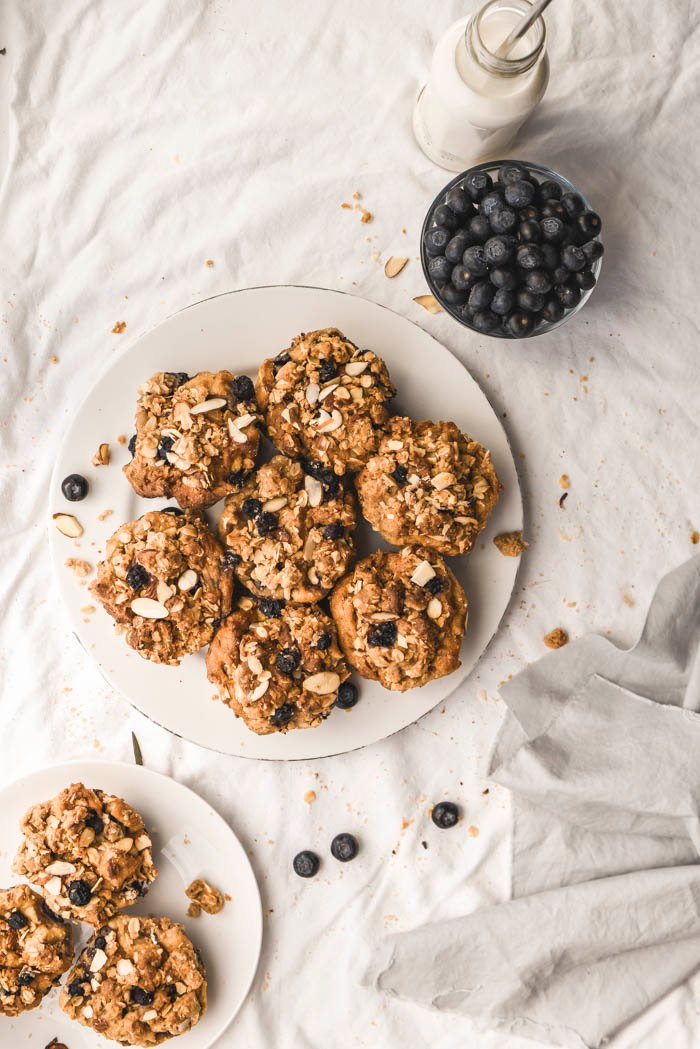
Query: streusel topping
(36,948)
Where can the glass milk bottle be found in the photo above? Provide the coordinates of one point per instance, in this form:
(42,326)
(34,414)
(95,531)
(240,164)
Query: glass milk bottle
(475,102)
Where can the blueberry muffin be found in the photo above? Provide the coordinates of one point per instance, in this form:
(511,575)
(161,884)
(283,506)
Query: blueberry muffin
(88,853)
(401,617)
(277,665)
(165,583)
(288,533)
(36,948)
(196,439)
(428,484)
(325,400)
(139,981)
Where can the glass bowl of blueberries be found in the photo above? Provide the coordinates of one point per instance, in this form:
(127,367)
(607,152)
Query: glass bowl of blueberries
(511,249)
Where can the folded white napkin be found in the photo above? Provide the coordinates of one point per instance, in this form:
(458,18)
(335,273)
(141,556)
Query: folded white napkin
(601,749)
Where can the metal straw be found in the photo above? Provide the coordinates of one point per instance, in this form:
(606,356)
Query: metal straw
(521,28)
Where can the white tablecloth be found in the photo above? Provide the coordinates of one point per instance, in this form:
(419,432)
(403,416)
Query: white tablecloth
(148,136)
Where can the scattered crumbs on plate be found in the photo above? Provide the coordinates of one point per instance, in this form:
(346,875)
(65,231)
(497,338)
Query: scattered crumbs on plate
(210,263)
(194,910)
(405,824)
(118,327)
(79,567)
(186,840)
(310,797)
(556,638)
(564,481)
(424,844)
(53,359)
(510,544)
(486,790)
(347,206)
(206,896)
(628,599)
(403,230)
(695,537)
(357,195)
(104,515)
(562,500)
(101,456)
(365,215)
(228,897)
(473,831)
(121,439)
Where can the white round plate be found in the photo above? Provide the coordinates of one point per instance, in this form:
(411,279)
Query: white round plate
(236,331)
(190,840)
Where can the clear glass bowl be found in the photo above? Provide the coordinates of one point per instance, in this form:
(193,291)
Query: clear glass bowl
(492,166)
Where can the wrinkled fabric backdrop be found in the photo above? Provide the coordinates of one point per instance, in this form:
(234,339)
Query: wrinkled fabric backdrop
(146,136)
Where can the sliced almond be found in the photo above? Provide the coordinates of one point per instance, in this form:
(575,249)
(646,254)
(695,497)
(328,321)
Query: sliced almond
(124,844)
(237,435)
(310,545)
(53,886)
(124,967)
(312,576)
(312,392)
(334,422)
(383,617)
(314,490)
(366,381)
(322,684)
(355,368)
(394,446)
(99,960)
(394,264)
(164,592)
(68,525)
(401,641)
(244,420)
(434,608)
(133,927)
(423,573)
(101,456)
(169,431)
(429,303)
(60,867)
(328,390)
(87,1012)
(285,415)
(275,504)
(443,480)
(149,1015)
(321,418)
(255,665)
(209,405)
(187,580)
(148,608)
(143,842)
(259,692)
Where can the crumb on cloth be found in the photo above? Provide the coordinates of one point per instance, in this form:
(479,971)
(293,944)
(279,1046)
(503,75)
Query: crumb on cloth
(556,638)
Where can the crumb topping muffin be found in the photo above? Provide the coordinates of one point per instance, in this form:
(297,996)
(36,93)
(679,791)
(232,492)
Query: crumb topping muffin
(165,582)
(428,484)
(278,666)
(139,981)
(36,948)
(324,399)
(88,852)
(196,439)
(289,535)
(401,617)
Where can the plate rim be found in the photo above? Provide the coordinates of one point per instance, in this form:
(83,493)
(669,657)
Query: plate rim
(55,480)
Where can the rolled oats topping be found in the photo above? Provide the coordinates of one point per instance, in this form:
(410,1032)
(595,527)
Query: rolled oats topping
(325,399)
(196,439)
(88,853)
(165,582)
(401,617)
(290,536)
(277,665)
(207,897)
(428,484)
(36,948)
(139,981)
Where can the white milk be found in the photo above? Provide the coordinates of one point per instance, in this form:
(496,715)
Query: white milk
(474,102)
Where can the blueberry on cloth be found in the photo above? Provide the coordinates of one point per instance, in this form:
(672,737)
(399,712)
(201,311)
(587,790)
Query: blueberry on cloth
(344,847)
(445,815)
(306,864)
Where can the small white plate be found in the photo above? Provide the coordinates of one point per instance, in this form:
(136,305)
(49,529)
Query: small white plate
(236,331)
(190,840)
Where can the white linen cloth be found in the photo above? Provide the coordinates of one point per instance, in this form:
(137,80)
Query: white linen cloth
(605,874)
(147,136)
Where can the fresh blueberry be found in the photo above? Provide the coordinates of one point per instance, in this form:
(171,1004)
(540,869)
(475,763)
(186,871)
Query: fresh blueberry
(503,220)
(503,301)
(585,280)
(504,277)
(435,240)
(132,445)
(347,695)
(94,822)
(344,847)
(529,257)
(529,214)
(141,997)
(499,250)
(529,232)
(271,607)
(550,190)
(568,294)
(480,296)
(230,560)
(491,201)
(459,201)
(76,989)
(323,642)
(243,388)
(529,301)
(553,209)
(288,660)
(589,224)
(25,978)
(266,523)
(174,511)
(510,173)
(382,635)
(306,864)
(520,194)
(445,815)
(79,893)
(440,268)
(74,487)
(334,530)
(327,370)
(137,577)
(171,990)
(457,246)
(573,258)
(280,360)
(474,258)
(520,324)
(400,474)
(165,446)
(552,228)
(479,228)
(283,715)
(178,378)
(237,478)
(485,321)
(552,311)
(313,467)
(463,278)
(251,508)
(477,184)
(572,205)
(445,216)
(593,250)
(100,943)
(454,296)
(550,254)
(538,281)
(436,585)
(16,920)
(560,275)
